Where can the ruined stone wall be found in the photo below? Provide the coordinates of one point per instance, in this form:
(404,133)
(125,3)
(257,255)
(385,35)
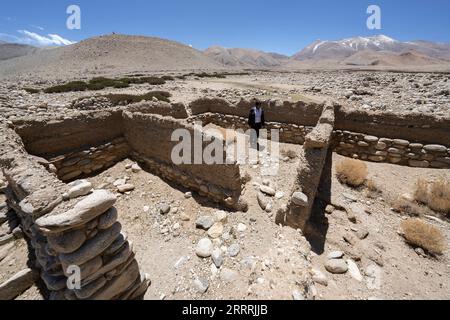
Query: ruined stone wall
(420,128)
(299,113)
(90,160)
(313,157)
(150,138)
(289,133)
(54,137)
(175,110)
(396,151)
(69,225)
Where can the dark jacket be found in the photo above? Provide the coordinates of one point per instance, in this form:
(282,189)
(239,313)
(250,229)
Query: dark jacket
(252,116)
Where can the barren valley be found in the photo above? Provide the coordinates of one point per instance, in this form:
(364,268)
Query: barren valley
(358,209)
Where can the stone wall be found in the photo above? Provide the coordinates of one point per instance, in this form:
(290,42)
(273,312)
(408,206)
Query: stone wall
(90,160)
(396,151)
(69,225)
(312,159)
(175,110)
(299,113)
(421,128)
(58,136)
(150,138)
(289,133)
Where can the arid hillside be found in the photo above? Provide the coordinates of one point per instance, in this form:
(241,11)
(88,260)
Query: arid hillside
(108,54)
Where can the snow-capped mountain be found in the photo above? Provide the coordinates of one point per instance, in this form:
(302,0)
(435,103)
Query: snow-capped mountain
(345,48)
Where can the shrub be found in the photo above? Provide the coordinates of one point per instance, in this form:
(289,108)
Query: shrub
(291,154)
(32,90)
(351,172)
(125,99)
(421,234)
(435,194)
(439,196)
(373,190)
(402,205)
(102,83)
(167,78)
(68,87)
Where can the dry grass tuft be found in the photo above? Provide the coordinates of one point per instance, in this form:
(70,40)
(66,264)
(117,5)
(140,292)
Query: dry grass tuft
(421,234)
(435,194)
(351,172)
(291,154)
(402,205)
(373,190)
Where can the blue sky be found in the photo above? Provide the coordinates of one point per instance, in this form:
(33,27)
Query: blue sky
(284,26)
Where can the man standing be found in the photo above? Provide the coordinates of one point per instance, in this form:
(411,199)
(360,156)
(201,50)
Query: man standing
(256,120)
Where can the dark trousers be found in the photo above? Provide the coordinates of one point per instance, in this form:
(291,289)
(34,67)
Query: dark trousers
(257,127)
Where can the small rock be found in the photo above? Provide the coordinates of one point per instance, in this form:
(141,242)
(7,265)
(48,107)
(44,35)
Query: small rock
(241,227)
(298,296)
(234,250)
(126,188)
(204,248)
(319,277)
(262,200)
(279,195)
(362,233)
(164,208)
(216,230)
(204,222)
(353,270)
(267,190)
(201,285)
(119,182)
(336,266)
(136,168)
(217,257)
(300,199)
(79,188)
(221,216)
(329,209)
(335,255)
(188,195)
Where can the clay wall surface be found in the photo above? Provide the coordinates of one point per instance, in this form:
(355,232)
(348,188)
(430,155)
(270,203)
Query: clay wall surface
(53,137)
(150,137)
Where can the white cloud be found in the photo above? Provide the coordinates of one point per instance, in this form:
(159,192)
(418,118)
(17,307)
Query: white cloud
(37,27)
(39,40)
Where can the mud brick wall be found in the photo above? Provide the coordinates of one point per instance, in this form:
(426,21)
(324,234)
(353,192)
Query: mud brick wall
(62,232)
(396,151)
(288,133)
(299,113)
(421,128)
(313,158)
(175,110)
(91,160)
(150,138)
(54,137)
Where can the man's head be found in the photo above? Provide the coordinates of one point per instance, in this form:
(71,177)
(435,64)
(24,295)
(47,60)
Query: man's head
(258,104)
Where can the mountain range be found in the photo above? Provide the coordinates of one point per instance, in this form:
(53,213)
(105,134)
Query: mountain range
(357,51)
(14,50)
(125,53)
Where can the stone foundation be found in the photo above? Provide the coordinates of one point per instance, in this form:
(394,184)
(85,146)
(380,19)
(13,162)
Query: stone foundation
(69,233)
(396,151)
